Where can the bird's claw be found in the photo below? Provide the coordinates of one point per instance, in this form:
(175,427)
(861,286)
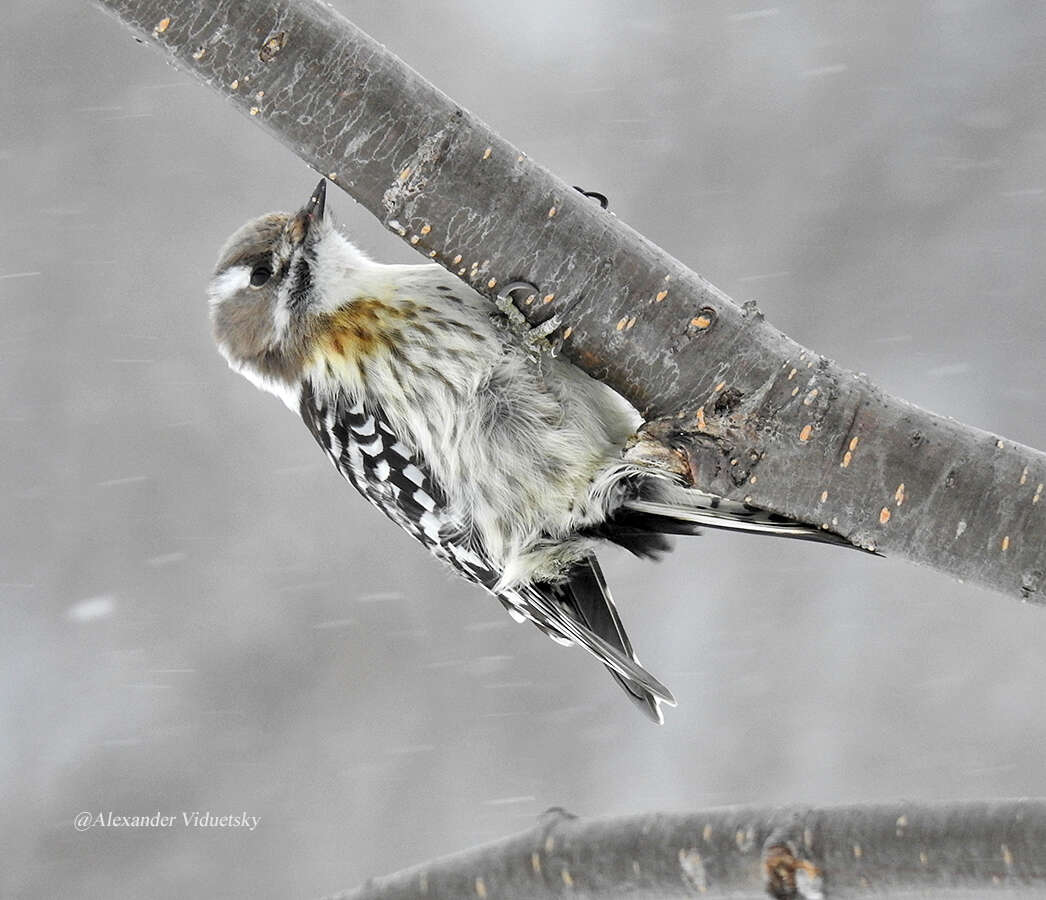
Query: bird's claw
(535,338)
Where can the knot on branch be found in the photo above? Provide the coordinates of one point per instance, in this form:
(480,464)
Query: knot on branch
(789,875)
(701,448)
(272,46)
(414,175)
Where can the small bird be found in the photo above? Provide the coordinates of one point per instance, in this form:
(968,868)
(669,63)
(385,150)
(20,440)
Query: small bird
(510,469)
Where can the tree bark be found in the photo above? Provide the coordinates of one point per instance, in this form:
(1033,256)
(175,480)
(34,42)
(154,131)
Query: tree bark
(750,413)
(954,850)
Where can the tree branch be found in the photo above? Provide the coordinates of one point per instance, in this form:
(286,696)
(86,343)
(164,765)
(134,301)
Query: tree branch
(751,414)
(938,851)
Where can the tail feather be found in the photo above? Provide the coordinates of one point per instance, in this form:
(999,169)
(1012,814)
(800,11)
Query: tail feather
(595,607)
(581,610)
(686,511)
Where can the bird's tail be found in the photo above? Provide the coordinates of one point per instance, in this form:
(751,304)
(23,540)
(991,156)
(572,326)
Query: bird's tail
(595,607)
(670,509)
(580,610)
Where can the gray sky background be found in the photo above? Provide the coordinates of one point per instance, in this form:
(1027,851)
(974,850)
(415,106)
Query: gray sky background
(196,614)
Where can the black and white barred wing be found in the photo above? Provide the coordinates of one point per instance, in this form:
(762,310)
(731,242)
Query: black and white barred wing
(364,448)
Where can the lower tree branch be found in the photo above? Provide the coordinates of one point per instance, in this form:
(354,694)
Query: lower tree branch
(940,851)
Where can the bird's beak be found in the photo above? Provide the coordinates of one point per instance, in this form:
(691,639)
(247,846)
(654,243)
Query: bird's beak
(302,223)
(317,201)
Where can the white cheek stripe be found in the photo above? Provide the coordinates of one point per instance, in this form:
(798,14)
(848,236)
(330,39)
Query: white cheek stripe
(281,314)
(230,282)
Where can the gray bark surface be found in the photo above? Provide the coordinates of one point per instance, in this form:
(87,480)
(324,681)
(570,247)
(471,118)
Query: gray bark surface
(754,415)
(953,850)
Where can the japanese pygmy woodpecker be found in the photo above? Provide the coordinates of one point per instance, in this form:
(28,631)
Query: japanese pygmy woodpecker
(509,469)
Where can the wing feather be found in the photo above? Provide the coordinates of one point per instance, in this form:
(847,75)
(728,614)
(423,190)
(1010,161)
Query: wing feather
(364,448)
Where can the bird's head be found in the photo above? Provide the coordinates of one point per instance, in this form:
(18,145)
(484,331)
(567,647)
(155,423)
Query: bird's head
(273,277)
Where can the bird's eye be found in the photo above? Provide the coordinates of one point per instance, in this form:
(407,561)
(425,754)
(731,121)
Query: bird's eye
(260,275)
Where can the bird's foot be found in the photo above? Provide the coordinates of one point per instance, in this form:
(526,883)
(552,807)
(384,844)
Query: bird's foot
(535,338)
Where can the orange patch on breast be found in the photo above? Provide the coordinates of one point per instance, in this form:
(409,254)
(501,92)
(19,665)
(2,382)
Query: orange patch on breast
(362,328)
